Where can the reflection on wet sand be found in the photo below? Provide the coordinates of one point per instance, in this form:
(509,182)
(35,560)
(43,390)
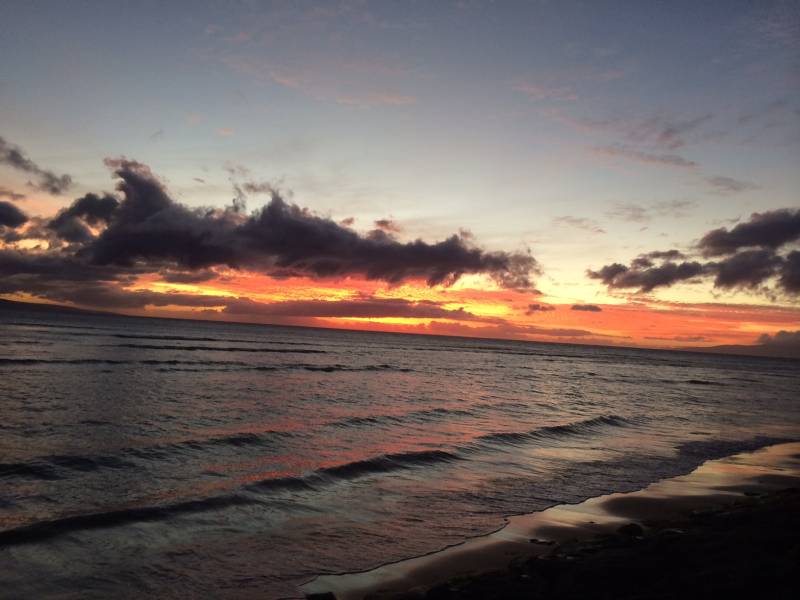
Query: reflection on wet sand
(716,483)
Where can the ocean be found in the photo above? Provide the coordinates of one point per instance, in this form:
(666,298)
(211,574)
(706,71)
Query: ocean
(173,459)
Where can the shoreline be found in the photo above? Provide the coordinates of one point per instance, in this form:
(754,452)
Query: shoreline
(747,488)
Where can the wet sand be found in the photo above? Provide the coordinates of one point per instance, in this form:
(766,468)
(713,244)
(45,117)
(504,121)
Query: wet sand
(728,528)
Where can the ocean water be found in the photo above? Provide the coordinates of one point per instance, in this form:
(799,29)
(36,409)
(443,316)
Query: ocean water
(173,459)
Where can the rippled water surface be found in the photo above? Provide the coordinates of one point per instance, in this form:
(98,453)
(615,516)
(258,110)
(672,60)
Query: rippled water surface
(177,458)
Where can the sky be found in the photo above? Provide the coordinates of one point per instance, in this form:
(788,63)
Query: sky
(592,172)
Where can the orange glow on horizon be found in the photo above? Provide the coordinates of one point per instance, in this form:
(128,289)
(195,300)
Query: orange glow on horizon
(483,310)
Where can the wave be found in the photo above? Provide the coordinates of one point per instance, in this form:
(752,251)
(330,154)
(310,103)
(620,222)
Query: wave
(58,467)
(196,366)
(181,338)
(280,484)
(535,350)
(587,426)
(419,416)
(28,471)
(233,440)
(48,325)
(331,475)
(45,530)
(359,421)
(216,349)
(63,361)
(110,361)
(194,370)
(167,338)
(239,439)
(327,368)
(25,342)
(704,382)
(385,463)
(335,368)
(51,467)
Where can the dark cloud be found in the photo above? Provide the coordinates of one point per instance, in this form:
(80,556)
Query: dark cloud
(790,273)
(11,216)
(54,266)
(93,209)
(281,237)
(45,180)
(750,259)
(609,273)
(33,229)
(188,276)
(534,308)
(113,239)
(669,160)
(644,261)
(647,279)
(70,224)
(71,230)
(665,254)
(783,339)
(61,277)
(11,194)
(746,269)
(764,230)
(587,308)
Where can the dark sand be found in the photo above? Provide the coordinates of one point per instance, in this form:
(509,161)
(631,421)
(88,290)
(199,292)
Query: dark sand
(749,550)
(728,529)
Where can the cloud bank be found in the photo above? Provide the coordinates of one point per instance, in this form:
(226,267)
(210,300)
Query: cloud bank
(749,255)
(104,241)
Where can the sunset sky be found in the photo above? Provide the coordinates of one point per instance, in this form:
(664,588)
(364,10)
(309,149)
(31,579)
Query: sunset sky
(594,172)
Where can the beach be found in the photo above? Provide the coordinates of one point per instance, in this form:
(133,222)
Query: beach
(748,550)
(728,529)
(380,300)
